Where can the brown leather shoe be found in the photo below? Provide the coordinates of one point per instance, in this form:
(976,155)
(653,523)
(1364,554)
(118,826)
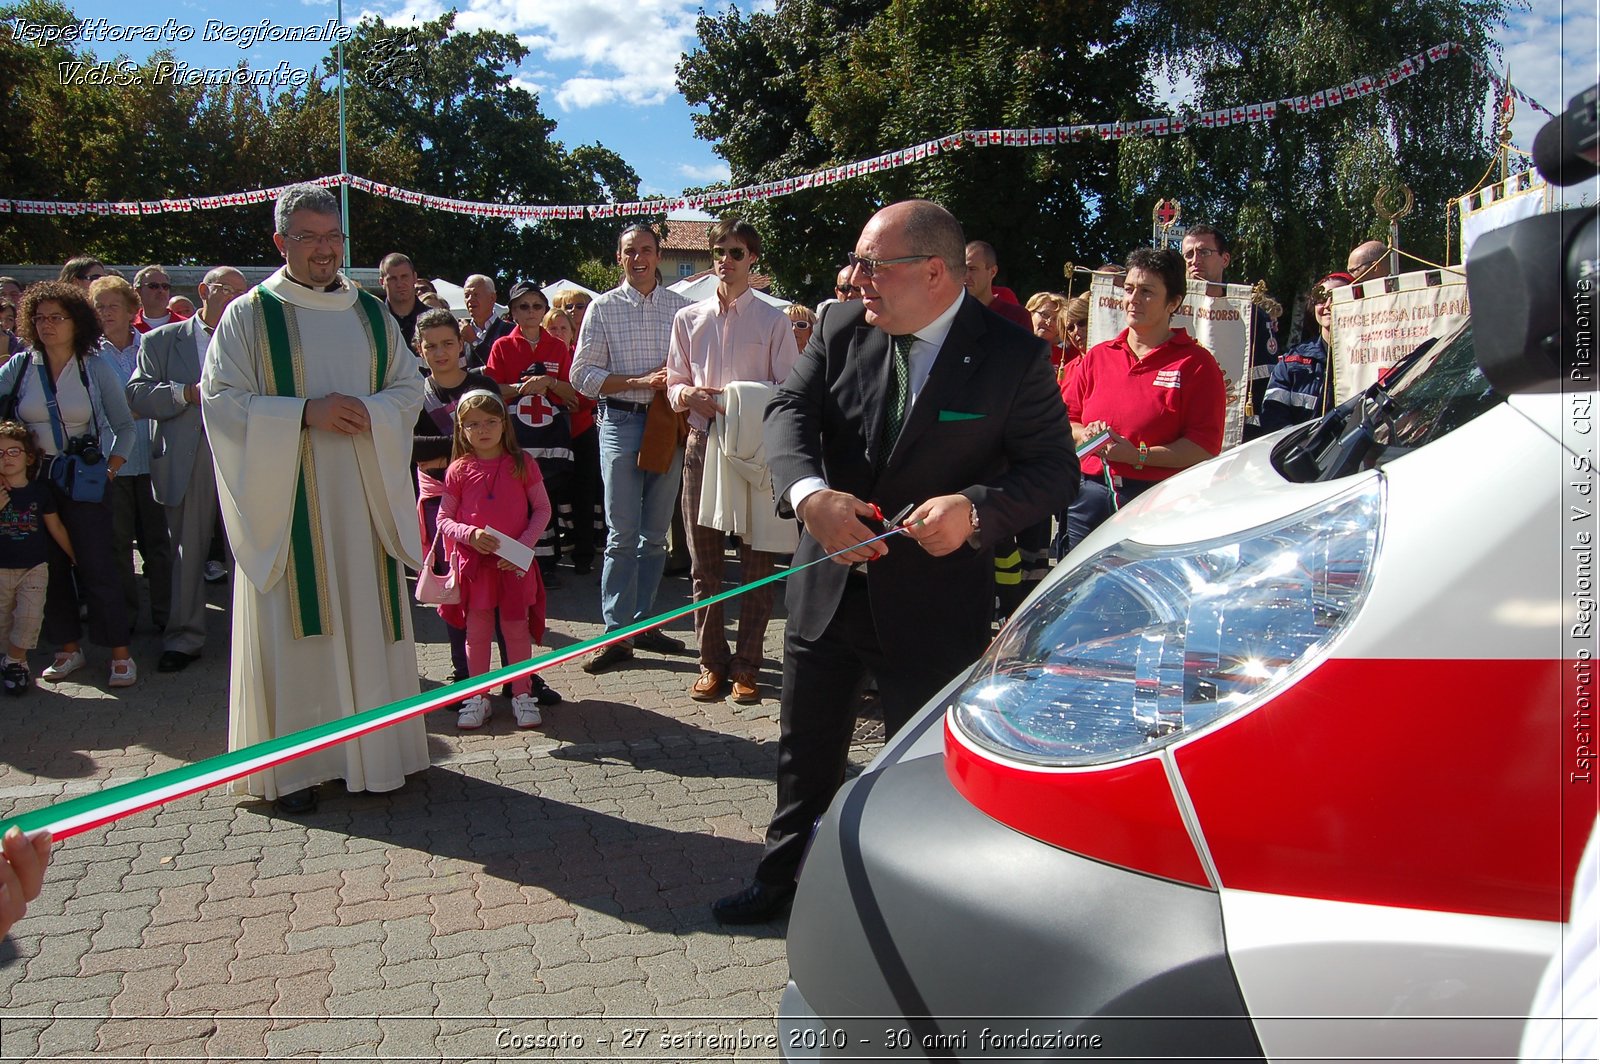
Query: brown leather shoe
(708,688)
(746,691)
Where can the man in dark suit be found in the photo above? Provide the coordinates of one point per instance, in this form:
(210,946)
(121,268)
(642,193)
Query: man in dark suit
(914,397)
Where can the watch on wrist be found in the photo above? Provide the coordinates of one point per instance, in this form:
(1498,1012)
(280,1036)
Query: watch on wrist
(972,537)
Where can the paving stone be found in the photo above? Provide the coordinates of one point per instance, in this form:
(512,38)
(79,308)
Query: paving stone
(244,996)
(238,1039)
(67,993)
(67,1038)
(355,968)
(561,874)
(303,995)
(353,1039)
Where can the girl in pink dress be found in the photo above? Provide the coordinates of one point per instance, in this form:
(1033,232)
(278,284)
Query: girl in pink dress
(491,482)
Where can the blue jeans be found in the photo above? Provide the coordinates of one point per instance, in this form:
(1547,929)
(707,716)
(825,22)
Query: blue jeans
(638,515)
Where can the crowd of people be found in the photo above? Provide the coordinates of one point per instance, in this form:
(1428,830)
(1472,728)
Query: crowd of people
(485,449)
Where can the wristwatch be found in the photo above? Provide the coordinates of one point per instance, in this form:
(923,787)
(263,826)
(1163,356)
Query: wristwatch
(972,538)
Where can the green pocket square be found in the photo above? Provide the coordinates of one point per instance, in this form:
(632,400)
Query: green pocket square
(957,415)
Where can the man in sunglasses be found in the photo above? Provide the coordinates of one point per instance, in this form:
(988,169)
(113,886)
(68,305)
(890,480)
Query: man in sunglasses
(721,346)
(918,409)
(155,298)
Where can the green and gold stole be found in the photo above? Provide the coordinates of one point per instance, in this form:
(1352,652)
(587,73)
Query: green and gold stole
(283,373)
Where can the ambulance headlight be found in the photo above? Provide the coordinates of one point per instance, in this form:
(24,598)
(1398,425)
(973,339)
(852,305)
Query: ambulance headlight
(1139,646)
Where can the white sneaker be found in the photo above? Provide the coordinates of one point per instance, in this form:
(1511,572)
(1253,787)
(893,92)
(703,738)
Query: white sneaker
(64,665)
(124,673)
(527,710)
(473,712)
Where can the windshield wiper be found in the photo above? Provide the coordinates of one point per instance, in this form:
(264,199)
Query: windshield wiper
(1334,448)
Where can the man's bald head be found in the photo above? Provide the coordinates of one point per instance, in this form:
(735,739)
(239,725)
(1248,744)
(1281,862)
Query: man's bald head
(1369,260)
(922,248)
(222,285)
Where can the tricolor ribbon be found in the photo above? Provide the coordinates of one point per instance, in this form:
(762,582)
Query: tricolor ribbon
(76,815)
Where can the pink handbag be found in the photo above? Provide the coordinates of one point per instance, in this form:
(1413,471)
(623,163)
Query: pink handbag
(433,589)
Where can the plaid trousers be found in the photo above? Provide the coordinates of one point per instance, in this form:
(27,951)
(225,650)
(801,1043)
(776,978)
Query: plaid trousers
(706,557)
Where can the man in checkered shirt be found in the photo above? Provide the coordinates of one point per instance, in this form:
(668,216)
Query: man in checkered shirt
(621,361)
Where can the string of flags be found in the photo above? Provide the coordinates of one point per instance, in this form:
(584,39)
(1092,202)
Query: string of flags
(1171,125)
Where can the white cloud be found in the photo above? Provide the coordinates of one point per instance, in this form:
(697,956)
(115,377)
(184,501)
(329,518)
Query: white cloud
(705,175)
(522,81)
(613,51)
(1552,53)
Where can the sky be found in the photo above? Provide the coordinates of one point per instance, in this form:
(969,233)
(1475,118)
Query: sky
(604,70)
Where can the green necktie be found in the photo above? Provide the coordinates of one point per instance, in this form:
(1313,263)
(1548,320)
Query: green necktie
(899,391)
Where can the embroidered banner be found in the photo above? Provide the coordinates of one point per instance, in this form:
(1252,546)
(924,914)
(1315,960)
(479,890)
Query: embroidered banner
(1376,323)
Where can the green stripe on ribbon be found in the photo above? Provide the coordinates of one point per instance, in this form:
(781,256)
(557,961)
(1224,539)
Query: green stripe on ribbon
(90,811)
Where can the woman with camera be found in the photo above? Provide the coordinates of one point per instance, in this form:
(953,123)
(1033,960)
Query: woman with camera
(73,402)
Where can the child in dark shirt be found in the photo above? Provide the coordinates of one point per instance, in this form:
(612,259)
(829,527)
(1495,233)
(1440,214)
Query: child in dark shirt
(27,515)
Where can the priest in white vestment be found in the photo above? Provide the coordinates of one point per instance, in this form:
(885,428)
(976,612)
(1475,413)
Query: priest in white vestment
(310,400)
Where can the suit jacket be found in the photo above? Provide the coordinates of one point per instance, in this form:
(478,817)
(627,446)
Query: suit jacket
(169,359)
(989,424)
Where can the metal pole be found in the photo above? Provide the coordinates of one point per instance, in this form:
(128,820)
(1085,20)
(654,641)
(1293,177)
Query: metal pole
(344,187)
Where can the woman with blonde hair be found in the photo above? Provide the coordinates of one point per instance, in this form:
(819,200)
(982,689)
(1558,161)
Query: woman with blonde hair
(803,321)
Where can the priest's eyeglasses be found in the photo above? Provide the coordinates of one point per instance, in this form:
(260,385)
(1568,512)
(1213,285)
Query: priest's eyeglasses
(315,240)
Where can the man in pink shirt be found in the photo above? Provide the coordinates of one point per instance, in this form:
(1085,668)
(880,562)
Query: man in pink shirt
(732,336)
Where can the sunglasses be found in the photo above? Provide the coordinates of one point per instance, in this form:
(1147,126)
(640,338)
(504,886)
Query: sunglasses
(161,286)
(802,326)
(736,254)
(846,289)
(92,277)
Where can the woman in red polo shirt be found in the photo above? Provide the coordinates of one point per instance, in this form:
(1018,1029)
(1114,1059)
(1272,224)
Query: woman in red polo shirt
(1158,392)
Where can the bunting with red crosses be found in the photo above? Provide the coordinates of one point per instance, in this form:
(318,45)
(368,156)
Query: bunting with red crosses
(1160,126)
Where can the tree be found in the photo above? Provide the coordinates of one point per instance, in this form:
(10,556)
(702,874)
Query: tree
(428,108)
(434,110)
(816,83)
(1297,193)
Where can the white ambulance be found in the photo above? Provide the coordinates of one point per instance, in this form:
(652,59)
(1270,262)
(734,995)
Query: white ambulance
(1293,759)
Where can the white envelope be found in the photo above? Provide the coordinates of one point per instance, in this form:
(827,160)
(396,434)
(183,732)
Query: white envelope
(511,550)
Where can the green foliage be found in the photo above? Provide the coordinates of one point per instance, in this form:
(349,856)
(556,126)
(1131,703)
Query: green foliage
(816,83)
(1297,194)
(598,274)
(426,108)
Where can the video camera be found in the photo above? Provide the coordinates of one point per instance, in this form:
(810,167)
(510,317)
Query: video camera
(1532,283)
